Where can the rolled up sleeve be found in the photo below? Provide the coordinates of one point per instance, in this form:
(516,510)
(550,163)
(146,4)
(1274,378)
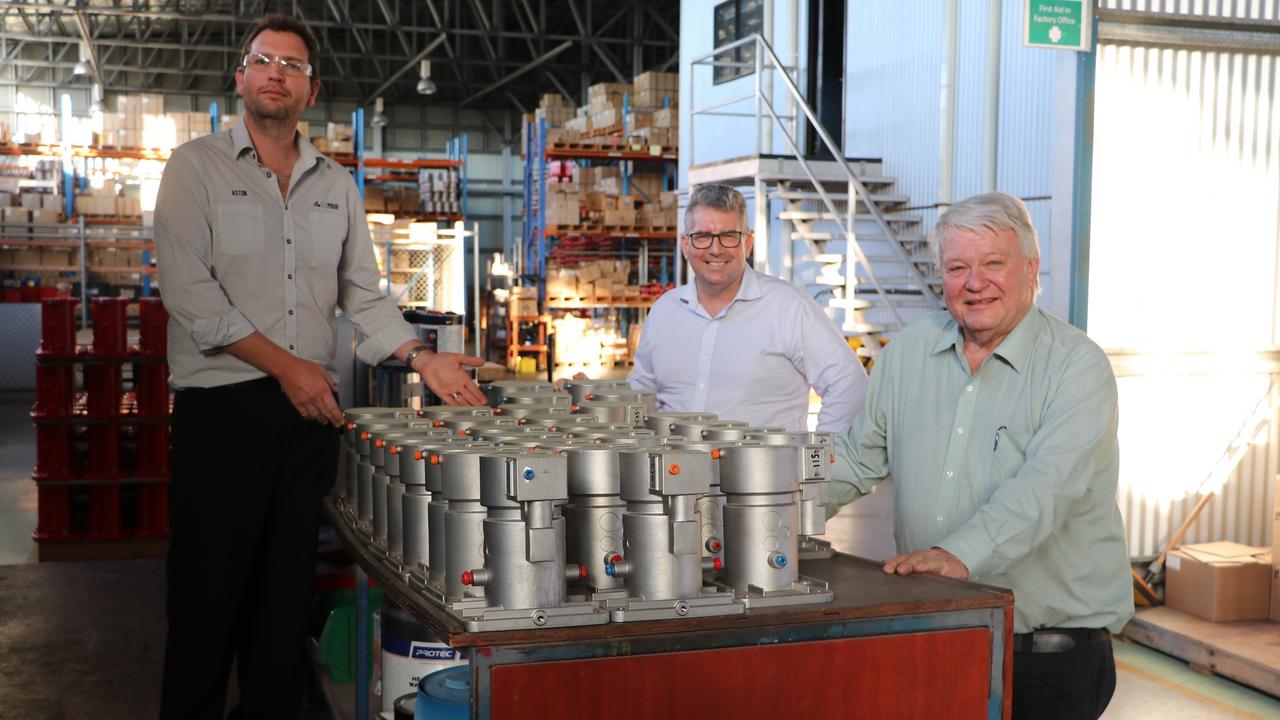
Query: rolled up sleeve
(359,296)
(830,367)
(184,255)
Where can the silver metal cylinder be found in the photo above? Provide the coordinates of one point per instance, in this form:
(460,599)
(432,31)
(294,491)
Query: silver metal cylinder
(440,412)
(814,459)
(386,470)
(619,412)
(661,546)
(465,425)
(518,412)
(593,515)
(463,522)
(347,456)
(645,398)
(761,515)
(578,389)
(364,447)
(416,525)
(693,429)
(523,534)
(710,506)
(542,398)
(660,422)
(493,391)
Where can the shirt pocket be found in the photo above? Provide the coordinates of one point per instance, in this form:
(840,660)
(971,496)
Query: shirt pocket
(328,230)
(1009,454)
(240,228)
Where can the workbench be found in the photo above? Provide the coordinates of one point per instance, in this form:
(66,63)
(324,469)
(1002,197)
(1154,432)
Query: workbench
(885,647)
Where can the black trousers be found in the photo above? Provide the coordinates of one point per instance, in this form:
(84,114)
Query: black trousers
(1073,685)
(248,477)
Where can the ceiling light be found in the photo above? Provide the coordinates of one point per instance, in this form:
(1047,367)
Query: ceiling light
(96,107)
(379,118)
(82,68)
(426,86)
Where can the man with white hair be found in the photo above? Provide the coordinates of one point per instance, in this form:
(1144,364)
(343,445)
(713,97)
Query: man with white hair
(998,424)
(738,343)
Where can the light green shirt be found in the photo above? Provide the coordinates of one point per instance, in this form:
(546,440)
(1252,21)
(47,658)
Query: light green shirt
(1012,469)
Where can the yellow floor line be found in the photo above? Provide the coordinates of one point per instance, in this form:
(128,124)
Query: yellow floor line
(1182,689)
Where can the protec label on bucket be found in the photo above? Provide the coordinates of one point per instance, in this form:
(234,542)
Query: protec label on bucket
(429,651)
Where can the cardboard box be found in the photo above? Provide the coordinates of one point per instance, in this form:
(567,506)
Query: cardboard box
(1219,581)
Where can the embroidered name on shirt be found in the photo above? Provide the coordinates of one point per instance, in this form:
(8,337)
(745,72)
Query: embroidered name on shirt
(240,193)
(330,205)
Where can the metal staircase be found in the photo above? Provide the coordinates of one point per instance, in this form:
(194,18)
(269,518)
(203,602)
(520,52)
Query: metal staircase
(848,236)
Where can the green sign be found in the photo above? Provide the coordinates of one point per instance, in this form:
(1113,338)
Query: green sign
(1062,24)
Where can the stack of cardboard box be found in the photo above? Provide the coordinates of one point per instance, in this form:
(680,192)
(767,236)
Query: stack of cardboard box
(391,199)
(656,90)
(555,109)
(438,191)
(338,140)
(591,281)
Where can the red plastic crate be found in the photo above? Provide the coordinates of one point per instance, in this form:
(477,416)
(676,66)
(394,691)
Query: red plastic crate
(110,326)
(153,510)
(58,326)
(151,387)
(103,388)
(153,327)
(55,391)
(53,453)
(103,458)
(153,450)
(104,513)
(53,513)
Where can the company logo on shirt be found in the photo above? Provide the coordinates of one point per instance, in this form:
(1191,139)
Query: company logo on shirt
(239,193)
(330,205)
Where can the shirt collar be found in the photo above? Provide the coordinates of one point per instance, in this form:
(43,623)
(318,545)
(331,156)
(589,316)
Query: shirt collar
(749,290)
(241,143)
(1014,349)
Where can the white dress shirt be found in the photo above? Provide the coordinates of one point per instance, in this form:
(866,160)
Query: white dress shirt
(233,257)
(754,361)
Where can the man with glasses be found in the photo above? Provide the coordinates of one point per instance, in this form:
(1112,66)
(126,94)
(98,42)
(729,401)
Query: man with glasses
(740,344)
(259,239)
(998,424)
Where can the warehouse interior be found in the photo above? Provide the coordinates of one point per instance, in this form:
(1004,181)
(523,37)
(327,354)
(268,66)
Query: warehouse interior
(527,172)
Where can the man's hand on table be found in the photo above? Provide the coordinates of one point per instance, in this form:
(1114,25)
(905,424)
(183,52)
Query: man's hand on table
(934,561)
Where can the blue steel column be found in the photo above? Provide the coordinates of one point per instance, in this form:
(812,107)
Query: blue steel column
(541,225)
(1082,190)
(362,580)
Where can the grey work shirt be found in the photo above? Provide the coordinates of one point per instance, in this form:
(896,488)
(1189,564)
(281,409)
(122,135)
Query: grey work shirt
(233,257)
(1013,469)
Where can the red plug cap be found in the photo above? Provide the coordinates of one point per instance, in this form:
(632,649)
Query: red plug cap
(467,577)
(582,572)
(716,564)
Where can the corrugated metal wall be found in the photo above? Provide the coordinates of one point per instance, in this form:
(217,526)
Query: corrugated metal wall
(894,63)
(1183,263)
(1242,9)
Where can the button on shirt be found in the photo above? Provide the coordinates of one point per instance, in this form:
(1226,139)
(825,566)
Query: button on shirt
(233,257)
(754,361)
(1012,469)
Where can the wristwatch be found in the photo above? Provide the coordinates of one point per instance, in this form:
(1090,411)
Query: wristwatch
(414,353)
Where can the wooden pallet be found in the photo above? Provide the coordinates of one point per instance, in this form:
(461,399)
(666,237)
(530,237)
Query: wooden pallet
(1235,650)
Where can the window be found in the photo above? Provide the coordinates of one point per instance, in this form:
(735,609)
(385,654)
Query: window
(734,20)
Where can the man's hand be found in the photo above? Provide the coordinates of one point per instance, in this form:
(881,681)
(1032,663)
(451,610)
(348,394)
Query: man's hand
(444,374)
(576,376)
(310,389)
(934,560)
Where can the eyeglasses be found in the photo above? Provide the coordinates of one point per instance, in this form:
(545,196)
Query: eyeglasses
(703,240)
(289,66)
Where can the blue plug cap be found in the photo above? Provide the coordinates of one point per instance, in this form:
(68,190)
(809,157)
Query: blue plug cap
(528,473)
(608,569)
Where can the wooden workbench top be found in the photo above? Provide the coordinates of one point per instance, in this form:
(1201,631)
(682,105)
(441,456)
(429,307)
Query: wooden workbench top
(861,591)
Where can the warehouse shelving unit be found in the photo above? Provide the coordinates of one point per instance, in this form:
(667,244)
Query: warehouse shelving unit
(639,245)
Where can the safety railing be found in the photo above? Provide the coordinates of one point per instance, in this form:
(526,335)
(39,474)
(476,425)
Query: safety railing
(766,119)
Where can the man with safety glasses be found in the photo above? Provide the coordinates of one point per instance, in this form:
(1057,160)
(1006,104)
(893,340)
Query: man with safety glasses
(259,239)
(738,343)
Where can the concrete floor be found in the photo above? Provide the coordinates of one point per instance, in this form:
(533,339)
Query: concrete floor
(85,640)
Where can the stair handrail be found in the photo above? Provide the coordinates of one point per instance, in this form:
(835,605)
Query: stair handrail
(762,48)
